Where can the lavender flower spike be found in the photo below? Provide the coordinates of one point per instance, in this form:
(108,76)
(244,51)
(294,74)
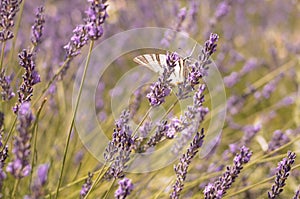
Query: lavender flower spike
(125,188)
(38,26)
(283,172)
(86,186)
(217,189)
(8,11)
(20,166)
(182,167)
(38,186)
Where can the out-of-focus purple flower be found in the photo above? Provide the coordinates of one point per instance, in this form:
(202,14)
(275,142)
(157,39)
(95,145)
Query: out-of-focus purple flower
(231,79)
(42,173)
(125,188)
(250,65)
(20,166)
(8,11)
(249,132)
(278,139)
(37,189)
(38,26)
(3,156)
(86,186)
(217,189)
(234,104)
(283,171)
(6,92)
(30,78)
(222,9)
(270,87)
(169,36)
(181,168)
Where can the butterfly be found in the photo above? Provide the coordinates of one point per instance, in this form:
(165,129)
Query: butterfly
(157,62)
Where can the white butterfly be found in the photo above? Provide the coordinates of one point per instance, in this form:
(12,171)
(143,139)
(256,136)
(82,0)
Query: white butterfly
(156,63)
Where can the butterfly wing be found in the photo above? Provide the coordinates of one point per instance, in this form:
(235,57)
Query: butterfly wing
(156,63)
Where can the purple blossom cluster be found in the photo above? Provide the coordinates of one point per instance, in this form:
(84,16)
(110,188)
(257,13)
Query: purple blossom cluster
(181,169)
(8,11)
(30,78)
(91,30)
(283,172)
(86,186)
(217,189)
(125,188)
(37,189)
(20,166)
(5,81)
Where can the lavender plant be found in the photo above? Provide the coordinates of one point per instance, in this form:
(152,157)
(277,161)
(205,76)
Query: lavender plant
(256,55)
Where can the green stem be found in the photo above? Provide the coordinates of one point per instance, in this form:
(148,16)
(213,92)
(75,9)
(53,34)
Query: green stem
(99,177)
(52,80)
(35,127)
(73,118)
(2,55)
(15,188)
(110,188)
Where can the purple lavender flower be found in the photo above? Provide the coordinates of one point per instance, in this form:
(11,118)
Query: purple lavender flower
(182,167)
(172,59)
(169,36)
(278,139)
(210,45)
(125,188)
(119,148)
(297,194)
(159,91)
(3,156)
(6,92)
(222,10)
(8,11)
(30,78)
(20,166)
(283,172)
(91,30)
(231,79)
(38,26)
(249,132)
(96,17)
(217,189)
(37,189)
(86,186)
(190,122)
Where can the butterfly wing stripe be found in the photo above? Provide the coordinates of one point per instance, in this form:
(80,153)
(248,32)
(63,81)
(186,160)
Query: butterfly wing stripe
(141,60)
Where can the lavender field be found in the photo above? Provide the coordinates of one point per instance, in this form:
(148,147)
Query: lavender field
(150,99)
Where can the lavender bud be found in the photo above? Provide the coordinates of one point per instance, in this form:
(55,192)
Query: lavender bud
(86,186)
(182,167)
(159,91)
(8,11)
(38,26)
(217,189)
(6,92)
(278,139)
(125,188)
(20,166)
(283,171)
